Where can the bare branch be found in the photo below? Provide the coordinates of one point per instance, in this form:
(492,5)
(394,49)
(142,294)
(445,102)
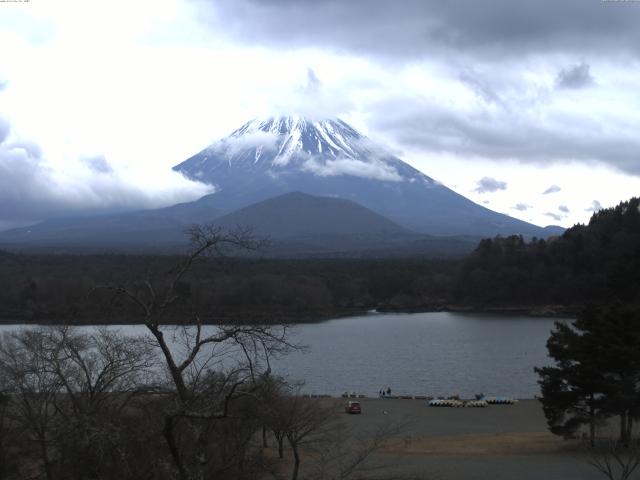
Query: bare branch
(613,459)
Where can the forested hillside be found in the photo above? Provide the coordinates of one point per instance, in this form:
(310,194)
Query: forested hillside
(594,263)
(598,262)
(49,288)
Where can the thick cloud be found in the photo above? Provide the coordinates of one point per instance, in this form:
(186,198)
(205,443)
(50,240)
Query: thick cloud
(526,64)
(5,129)
(528,132)
(31,189)
(422,28)
(348,166)
(234,144)
(555,216)
(313,82)
(98,164)
(488,184)
(522,207)
(552,189)
(480,86)
(594,207)
(575,77)
(313,99)
(563,208)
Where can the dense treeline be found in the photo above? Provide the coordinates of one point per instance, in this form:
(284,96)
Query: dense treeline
(41,288)
(597,262)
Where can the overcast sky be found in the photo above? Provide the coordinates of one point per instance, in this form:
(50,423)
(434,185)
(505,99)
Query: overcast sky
(530,108)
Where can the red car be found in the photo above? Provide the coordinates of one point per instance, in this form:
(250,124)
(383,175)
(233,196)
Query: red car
(352,407)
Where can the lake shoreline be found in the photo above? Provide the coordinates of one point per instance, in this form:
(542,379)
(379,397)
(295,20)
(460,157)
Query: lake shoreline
(434,353)
(255,318)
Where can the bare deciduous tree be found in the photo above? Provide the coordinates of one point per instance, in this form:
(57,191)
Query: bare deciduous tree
(185,401)
(67,391)
(208,367)
(98,371)
(305,422)
(315,426)
(33,389)
(4,454)
(613,459)
(345,456)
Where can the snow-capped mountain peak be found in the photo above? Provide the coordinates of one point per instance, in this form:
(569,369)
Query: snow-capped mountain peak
(278,145)
(297,137)
(273,156)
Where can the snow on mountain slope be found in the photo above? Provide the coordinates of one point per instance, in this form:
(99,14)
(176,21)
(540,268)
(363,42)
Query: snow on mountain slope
(269,157)
(261,163)
(324,148)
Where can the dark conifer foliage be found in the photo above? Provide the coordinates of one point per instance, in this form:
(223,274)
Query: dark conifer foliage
(598,262)
(55,288)
(597,372)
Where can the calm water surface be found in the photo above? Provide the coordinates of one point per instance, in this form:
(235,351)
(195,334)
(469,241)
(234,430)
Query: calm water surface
(422,353)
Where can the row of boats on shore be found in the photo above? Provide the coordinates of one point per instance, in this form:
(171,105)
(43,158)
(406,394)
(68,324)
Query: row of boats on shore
(477,403)
(480,401)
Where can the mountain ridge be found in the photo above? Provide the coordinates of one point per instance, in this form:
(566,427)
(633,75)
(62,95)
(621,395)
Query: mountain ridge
(288,215)
(324,159)
(298,225)
(269,157)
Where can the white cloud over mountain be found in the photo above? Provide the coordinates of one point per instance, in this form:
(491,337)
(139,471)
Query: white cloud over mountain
(463,89)
(32,188)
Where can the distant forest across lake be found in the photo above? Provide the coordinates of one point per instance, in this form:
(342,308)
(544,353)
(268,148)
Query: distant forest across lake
(594,263)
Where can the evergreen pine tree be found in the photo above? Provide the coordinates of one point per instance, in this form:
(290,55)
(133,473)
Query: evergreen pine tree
(597,372)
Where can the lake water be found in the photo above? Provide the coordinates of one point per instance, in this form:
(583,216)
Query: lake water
(424,353)
(434,354)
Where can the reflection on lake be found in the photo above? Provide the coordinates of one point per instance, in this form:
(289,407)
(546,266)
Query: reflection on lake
(422,353)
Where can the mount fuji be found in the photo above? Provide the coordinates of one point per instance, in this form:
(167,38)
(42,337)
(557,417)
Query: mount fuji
(273,156)
(316,187)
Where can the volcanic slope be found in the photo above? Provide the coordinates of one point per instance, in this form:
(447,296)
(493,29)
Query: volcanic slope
(302,225)
(269,157)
